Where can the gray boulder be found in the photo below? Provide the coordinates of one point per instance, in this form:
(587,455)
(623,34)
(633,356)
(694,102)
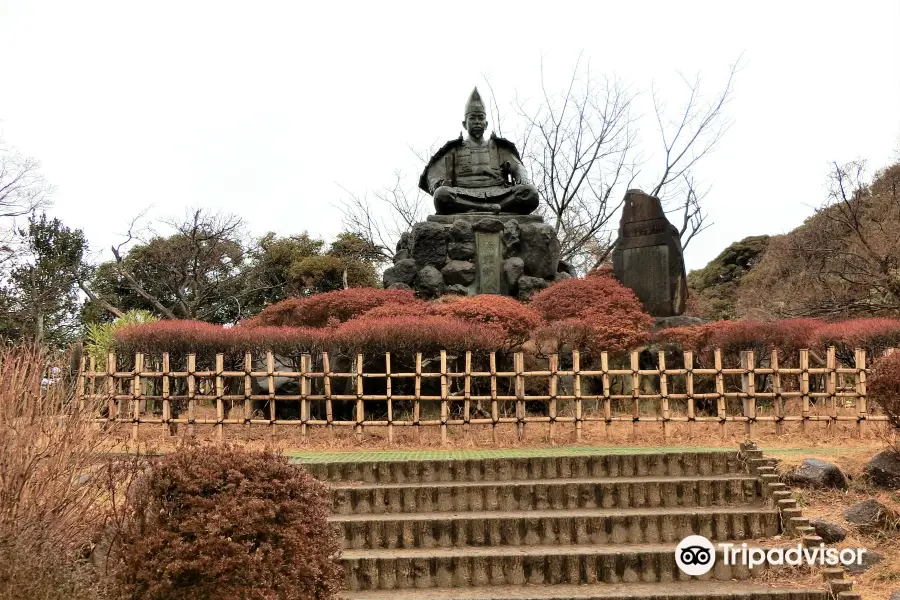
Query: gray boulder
(539,248)
(510,238)
(459,290)
(488,226)
(403,242)
(566,267)
(868,513)
(561,276)
(529,286)
(461,250)
(884,470)
(429,283)
(869,560)
(398,286)
(428,244)
(831,533)
(458,272)
(400,255)
(461,231)
(404,271)
(513,269)
(817,474)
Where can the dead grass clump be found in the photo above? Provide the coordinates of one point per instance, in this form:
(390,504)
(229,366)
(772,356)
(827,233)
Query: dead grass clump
(48,494)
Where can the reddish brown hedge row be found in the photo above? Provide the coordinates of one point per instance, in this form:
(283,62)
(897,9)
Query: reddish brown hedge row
(884,387)
(788,336)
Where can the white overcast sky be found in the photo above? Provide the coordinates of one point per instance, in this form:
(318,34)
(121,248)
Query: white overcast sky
(263,108)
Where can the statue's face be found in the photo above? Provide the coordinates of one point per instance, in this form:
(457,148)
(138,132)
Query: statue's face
(475,124)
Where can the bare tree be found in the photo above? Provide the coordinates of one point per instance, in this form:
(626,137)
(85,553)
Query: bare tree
(23,190)
(578,144)
(405,207)
(694,133)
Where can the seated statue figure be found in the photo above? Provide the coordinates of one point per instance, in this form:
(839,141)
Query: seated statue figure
(477,174)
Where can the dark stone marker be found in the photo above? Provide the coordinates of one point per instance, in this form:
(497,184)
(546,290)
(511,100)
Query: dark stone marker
(648,257)
(488,261)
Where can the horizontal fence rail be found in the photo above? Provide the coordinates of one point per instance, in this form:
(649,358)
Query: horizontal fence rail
(461,390)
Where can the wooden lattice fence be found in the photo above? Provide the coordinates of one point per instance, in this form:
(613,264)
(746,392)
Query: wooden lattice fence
(451,391)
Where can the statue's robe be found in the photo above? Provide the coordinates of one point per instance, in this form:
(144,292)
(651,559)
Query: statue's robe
(462,173)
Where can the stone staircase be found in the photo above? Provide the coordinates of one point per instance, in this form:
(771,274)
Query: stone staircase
(555,527)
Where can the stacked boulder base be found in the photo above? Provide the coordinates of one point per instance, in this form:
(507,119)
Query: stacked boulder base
(560,526)
(438,256)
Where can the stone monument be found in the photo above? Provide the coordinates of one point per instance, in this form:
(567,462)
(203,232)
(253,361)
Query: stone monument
(648,256)
(483,239)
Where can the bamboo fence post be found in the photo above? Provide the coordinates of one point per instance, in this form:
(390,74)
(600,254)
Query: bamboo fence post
(495,411)
(778,401)
(270,379)
(389,394)
(576,370)
(689,390)
(519,364)
(248,389)
(607,401)
(554,390)
(467,395)
(720,393)
(445,412)
(192,392)
(111,386)
(635,394)
(92,382)
(220,401)
(804,389)
(861,400)
(417,410)
(360,406)
(831,388)
(136,395)
(305,367)
(326,376)
(80,384)
(748,387)
(166,392)
(664,396)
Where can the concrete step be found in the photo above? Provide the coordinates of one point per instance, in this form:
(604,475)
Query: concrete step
(508,469)
(687,590)
(554,527)
(519,565)
(544,494)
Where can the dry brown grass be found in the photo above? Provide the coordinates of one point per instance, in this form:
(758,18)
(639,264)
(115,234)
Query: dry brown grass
(883,579)
(48,493)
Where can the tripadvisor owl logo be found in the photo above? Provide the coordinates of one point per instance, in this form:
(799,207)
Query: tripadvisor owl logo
(695,555)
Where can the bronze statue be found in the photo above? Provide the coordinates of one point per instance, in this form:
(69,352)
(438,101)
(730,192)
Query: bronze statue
(478,175)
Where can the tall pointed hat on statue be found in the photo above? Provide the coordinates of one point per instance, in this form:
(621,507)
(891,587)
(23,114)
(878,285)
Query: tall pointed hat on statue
(474,103)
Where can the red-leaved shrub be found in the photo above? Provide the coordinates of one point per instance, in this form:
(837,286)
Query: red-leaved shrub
(219,523)
(787,336)
(514,319)
(205,339)
(315,310)
(409,334)
(884,388)
(613,313)
(874,335)
(418,308)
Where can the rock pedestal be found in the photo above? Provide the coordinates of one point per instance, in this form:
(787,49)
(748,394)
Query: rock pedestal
(477,253)
(648,256)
